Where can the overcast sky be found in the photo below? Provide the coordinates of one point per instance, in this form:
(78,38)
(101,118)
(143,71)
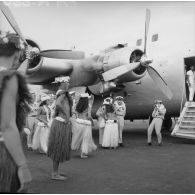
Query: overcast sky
(92,26)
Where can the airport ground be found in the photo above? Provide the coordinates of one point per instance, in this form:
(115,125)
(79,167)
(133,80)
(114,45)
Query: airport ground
(136,168)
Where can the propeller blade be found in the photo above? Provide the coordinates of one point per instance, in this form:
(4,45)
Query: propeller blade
(118,71)
(63,54)
(23,67)
(159,81)
(10,18)
(147,23)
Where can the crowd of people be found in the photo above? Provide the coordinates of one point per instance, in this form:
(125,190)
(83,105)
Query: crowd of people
(61,123)
(55,124)
(50,111)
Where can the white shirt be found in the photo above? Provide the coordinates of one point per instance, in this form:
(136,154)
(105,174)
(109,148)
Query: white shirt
(159,111)
(190,74)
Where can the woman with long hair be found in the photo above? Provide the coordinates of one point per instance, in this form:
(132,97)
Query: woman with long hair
(14,99)
(82,135)
(59,149)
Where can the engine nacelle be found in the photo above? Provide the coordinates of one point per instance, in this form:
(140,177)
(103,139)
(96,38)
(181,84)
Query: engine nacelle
(37,61)
(117,58)
(121,57)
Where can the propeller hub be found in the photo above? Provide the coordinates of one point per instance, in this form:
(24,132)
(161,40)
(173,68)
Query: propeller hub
(35,50)
(145,61)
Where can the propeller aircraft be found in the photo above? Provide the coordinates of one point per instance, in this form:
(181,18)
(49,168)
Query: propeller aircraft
(119,69)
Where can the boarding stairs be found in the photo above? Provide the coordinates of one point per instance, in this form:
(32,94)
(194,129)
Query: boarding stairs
(185,126)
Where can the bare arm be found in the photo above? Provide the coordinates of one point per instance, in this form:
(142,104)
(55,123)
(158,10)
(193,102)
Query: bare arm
(11,134)
(8,122)
(98,112)
(60,105)
(39,116)
(91,100)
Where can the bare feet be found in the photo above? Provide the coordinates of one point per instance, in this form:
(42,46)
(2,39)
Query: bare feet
(83,155)
(59,177)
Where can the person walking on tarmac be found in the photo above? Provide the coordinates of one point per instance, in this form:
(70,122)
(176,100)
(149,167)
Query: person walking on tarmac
(158,117)
(120,110)
(190,82)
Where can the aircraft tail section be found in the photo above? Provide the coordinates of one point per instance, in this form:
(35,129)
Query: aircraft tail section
(185,126)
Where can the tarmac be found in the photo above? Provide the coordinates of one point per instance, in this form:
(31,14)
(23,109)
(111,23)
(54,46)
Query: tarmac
(136,168)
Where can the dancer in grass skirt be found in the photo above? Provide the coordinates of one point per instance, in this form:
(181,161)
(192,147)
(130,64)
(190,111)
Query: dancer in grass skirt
(40,138)
(14,98)
(82,134)
(59,145)
(111,135)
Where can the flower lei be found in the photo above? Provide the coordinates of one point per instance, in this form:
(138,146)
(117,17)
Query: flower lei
(6,37)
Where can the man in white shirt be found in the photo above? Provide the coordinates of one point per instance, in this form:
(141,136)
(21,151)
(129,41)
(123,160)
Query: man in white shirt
(190,82)
(158,115)
(101,114)
(120,110)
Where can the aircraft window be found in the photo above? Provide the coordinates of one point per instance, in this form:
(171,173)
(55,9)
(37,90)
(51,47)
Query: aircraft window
(154,37)
(139,42)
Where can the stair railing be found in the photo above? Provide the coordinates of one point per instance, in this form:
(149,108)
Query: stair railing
(182,99)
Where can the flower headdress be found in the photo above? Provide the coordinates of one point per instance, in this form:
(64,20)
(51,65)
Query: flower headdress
(7,37)
(83,95)
(62,79)
(108,101)
(119,98)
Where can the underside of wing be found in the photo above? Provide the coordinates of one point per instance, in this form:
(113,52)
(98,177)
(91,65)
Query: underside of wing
(47,70)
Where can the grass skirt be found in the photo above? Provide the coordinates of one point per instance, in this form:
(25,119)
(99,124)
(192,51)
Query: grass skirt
(59,145)
(82,136)
(31,125)
(40,138)
(9,182)
(111,135)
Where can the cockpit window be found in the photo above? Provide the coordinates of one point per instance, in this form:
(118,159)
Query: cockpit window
(139,42)
(154,37)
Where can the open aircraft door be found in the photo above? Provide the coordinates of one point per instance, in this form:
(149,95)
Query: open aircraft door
(185,126)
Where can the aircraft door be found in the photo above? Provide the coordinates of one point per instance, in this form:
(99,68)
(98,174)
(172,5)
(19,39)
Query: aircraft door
(188,62)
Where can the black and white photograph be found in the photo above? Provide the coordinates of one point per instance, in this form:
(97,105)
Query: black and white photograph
(97,97)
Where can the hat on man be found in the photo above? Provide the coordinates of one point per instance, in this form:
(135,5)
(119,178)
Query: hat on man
(72,92)
(85,95)
(108,101)
(59,92)
(45,97)
(158,101)
(119,98)
(62,79)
